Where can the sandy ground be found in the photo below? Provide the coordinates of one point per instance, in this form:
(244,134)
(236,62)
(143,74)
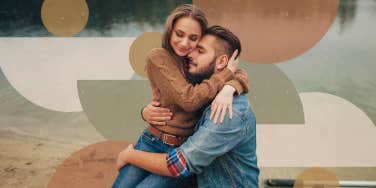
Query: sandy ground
(28,162)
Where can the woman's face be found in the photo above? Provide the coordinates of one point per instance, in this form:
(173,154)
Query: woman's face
(185,35)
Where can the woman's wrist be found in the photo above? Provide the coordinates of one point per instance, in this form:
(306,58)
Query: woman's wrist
(229,88)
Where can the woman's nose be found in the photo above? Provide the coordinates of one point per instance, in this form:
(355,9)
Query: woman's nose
(185,42)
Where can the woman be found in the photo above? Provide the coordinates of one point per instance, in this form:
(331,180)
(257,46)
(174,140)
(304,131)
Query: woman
(165,68)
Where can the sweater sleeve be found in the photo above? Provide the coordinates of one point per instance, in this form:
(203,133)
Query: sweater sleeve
(165,73)
(240,82)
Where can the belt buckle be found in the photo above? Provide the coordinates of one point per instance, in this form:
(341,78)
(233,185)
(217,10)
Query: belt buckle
(165,137)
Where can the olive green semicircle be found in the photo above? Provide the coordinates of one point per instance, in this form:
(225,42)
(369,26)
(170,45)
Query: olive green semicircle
(273,97)
(114,106)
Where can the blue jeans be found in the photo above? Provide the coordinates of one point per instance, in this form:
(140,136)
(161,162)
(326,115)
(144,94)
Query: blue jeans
(132,176)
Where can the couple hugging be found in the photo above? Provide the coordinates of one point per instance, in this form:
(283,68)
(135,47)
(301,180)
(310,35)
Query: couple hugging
(191,140)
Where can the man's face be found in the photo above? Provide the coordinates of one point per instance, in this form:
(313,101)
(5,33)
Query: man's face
(202,58)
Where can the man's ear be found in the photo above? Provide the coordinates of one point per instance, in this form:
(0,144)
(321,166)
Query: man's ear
(222,61)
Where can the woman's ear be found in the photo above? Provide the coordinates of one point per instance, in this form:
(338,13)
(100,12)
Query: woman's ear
(221,62)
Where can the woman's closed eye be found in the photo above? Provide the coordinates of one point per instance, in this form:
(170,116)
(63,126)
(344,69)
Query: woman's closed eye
(193,38)
(179,34)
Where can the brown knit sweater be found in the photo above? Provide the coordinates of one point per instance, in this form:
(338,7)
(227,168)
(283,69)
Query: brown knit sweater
(173,91)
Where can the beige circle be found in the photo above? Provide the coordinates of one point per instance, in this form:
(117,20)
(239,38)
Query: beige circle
(64,18)
(140,49)
(316,177)
(272,31)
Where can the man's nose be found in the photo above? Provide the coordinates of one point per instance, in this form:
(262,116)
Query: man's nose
(190,55)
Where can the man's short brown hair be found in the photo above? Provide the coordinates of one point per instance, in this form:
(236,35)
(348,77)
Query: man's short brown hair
(227,42)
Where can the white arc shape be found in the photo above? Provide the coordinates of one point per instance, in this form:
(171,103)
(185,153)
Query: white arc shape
(45,70)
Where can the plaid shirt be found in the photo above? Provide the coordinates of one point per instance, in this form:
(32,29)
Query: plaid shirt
(176,163)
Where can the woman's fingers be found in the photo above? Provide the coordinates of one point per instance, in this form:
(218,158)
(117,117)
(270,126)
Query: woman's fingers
(233,62)
(230,111)
(160,110)
(220,113)
(213,110)
(223,113)
(160,118)
(158,123)
(234,55)
(216,116)
(157,109)
(155,103)
(236,62)
(159,114)
(156,115)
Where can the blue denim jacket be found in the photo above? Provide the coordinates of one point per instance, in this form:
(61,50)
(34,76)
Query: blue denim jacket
(224,155)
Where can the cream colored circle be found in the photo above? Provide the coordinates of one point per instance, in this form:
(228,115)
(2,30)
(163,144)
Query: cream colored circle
(64,18)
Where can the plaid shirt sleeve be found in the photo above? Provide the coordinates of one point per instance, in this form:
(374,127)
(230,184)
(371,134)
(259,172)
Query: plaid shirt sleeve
(176,163)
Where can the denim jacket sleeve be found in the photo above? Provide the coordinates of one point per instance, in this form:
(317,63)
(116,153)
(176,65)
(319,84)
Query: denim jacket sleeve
(211,141)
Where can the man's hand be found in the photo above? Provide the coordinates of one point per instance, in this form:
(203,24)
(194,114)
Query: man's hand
(156,115)
(233,62)
(123,155)
(221,103)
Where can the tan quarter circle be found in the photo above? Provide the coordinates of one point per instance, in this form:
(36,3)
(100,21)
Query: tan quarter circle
(316,177)
(140,49)
(64,18)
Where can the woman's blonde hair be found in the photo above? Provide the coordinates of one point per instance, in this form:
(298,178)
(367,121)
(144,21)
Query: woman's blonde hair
(185,10)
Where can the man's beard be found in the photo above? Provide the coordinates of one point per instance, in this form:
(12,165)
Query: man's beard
(197,78)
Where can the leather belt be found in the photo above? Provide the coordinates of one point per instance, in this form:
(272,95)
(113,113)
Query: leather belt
(169,139)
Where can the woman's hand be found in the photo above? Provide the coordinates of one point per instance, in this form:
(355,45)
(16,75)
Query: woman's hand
(221,103)
(122,157)
(156,115)
(233,62)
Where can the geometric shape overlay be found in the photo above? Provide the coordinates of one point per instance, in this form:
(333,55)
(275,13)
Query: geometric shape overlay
(272,95)
(93,166)
(140,49)
(46,73)
(136,76)
(114,106)
(316,177)
(273,31)
(64,18)
(336,133)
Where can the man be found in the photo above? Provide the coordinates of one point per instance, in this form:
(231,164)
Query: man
(221,155)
